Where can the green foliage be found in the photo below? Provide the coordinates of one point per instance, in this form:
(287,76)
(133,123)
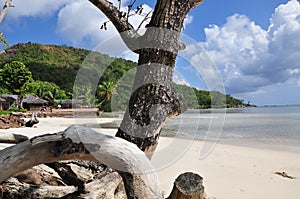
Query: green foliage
(207,99)
(84,93)
(2,112)
(45,90)
(60,64)
(116,70)
(54,69)
(105,91)
(233,102)
(3,42)
(4,91)
(13,76)
(15,109)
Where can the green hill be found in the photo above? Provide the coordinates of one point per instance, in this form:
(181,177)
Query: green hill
(60,65)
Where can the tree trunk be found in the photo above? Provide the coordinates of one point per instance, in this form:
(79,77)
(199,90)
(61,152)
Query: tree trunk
(153,99)
(188,186)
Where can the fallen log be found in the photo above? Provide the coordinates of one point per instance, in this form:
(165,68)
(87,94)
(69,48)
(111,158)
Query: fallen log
(15,189)
(11,138)
(103,188)
(84,144)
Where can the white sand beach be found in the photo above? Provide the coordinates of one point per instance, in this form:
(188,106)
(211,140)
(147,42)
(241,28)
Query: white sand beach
(229,172)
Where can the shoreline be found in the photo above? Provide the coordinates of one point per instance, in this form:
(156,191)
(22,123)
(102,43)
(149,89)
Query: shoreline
(229,171)
(110,124)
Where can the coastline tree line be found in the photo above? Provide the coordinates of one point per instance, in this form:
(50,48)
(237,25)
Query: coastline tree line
(49,71)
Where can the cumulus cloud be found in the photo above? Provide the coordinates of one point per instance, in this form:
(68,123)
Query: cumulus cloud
(250,57)
(80,21)
(85,31)
(179,79)
(188,20)
(35,7)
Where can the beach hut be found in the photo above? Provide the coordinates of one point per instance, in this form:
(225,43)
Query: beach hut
(3,103)
(71,103)
(32,103)
(7,100)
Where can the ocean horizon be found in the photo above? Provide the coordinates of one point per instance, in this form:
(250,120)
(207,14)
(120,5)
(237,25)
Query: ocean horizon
(275,126)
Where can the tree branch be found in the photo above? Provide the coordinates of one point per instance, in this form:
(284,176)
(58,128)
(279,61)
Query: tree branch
(194,3)
(7,4)
(126,30)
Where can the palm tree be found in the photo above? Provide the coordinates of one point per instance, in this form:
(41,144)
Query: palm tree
(105,91)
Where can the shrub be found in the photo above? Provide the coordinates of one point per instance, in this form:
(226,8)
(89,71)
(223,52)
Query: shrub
(2,112)
(14,109)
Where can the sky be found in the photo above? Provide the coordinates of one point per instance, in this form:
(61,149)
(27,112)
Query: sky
(251,47)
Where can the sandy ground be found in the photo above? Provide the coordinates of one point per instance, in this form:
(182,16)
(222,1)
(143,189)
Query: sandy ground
(229,172)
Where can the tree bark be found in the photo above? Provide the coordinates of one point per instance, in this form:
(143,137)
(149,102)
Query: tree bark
(128,33)
(188,186)
(153,99)
(84,144)
(15,189)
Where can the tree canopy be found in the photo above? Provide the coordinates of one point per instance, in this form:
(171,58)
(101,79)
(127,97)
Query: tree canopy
(13,76)
(45,90)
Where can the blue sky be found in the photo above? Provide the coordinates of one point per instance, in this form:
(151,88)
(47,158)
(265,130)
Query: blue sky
(254,45)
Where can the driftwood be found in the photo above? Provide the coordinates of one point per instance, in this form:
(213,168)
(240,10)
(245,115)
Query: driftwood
(284,174)
(32,121)
(100,182)
(84,144)
(11,138)
(24,190)
(104,187)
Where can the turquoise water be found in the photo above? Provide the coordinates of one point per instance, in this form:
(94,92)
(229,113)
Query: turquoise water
(277,125)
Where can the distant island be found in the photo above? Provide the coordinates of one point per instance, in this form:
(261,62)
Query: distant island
(56,67)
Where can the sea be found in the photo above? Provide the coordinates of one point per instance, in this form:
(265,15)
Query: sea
(275,127)
(271,127)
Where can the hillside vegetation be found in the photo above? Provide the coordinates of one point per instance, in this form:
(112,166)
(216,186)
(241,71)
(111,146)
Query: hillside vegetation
(103,80)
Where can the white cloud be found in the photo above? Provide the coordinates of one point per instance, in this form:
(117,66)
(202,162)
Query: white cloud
(80,21)
(179,79)
(250,57)
(188,20)
(24,8)
(85,31)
